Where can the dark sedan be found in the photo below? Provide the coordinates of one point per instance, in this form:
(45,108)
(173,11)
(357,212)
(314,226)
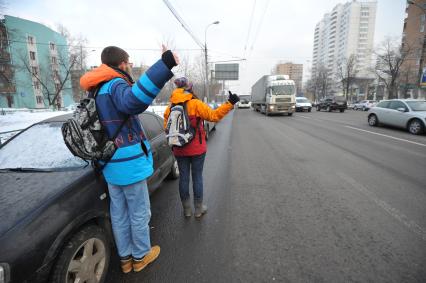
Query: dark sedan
(332,103)
(55,211)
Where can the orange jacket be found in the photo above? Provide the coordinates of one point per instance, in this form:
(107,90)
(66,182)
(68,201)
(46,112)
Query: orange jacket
(196,110)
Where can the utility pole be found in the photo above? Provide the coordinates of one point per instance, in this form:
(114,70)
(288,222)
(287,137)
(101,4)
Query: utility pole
(206,81)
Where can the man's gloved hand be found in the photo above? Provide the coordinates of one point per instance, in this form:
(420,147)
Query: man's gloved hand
(169,58)
(233,97)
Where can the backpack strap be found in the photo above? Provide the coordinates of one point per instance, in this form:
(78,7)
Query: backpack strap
(197,127)
(199,131)
(96,164)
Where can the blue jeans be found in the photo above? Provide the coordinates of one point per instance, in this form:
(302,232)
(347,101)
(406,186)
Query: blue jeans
(195,165)
(130,214)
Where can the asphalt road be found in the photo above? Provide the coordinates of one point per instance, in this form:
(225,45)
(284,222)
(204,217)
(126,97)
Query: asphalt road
(317,197)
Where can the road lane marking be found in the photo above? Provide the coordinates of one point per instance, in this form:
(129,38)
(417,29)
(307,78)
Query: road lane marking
(410,224)
(304,117)
(391,137)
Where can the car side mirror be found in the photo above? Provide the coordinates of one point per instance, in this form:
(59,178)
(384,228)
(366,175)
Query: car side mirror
(401,109)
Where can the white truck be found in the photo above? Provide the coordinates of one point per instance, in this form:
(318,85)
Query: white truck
(274,94)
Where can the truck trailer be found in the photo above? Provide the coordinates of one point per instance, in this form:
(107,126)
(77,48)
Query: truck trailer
(274,94)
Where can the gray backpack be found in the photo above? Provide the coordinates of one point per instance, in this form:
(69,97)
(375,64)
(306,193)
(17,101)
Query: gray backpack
(85,136)
(179,131)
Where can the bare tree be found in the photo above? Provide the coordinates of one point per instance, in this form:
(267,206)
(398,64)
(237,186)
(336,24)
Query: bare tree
(51,79)
(390,57)
(323,81)
(3,7)
(347,72)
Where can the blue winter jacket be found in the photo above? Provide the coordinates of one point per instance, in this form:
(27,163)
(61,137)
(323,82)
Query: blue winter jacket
(116,100)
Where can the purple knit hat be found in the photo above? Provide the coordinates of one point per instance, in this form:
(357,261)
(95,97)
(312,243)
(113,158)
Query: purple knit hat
(181,82)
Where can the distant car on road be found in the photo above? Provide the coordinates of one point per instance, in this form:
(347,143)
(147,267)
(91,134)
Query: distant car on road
(409,114)
(332,103)
(55,224)
(365,105)
(303,104)
(244,103)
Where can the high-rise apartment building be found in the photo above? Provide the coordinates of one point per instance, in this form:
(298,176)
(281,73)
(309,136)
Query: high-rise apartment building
(347,30)
(294,71)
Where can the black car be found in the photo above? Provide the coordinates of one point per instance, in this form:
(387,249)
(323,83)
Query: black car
(332,103)
(55,222)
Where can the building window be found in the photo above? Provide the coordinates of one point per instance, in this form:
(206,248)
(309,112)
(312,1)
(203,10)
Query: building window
(56,74)
(52,46)
(34,71)
(30,40)
(37,85)
(54,60)
(32,55)
(422,22)
(39,99)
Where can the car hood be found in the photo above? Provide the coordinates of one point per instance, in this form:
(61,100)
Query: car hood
(22,193)
(303,104)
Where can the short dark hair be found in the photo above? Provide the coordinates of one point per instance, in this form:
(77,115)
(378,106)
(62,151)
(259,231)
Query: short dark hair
(114,56)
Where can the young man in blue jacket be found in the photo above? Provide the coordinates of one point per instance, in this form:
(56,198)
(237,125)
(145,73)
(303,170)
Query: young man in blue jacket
(120,99)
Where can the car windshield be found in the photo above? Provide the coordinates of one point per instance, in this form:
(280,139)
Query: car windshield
(340,98)
(302,100)
(39,147)
(282,90)
(417,105)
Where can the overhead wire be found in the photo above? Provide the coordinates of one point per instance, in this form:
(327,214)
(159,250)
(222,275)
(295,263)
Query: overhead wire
(250,25)
(259,26)
(99,47)
(182,22)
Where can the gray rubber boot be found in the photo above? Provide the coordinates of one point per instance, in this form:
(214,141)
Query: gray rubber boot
(200,208)
(187,210)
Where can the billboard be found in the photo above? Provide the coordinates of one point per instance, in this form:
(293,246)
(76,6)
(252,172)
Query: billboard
(226,72)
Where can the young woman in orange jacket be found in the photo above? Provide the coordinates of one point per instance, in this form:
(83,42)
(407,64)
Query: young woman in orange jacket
(191,157)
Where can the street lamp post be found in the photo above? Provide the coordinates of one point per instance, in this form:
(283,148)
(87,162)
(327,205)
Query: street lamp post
(206,81)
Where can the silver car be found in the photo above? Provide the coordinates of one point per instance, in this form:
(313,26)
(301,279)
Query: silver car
(364,105)
(409,114)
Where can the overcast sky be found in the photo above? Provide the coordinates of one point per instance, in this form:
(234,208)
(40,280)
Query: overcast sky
(280,29)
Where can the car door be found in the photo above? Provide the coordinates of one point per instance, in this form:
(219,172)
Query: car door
(397,118)
(153,131)
(382,111)
(164,152)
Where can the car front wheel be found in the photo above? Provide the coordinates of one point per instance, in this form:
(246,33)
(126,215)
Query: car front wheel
(84,258)
(415,127)
(372,120)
